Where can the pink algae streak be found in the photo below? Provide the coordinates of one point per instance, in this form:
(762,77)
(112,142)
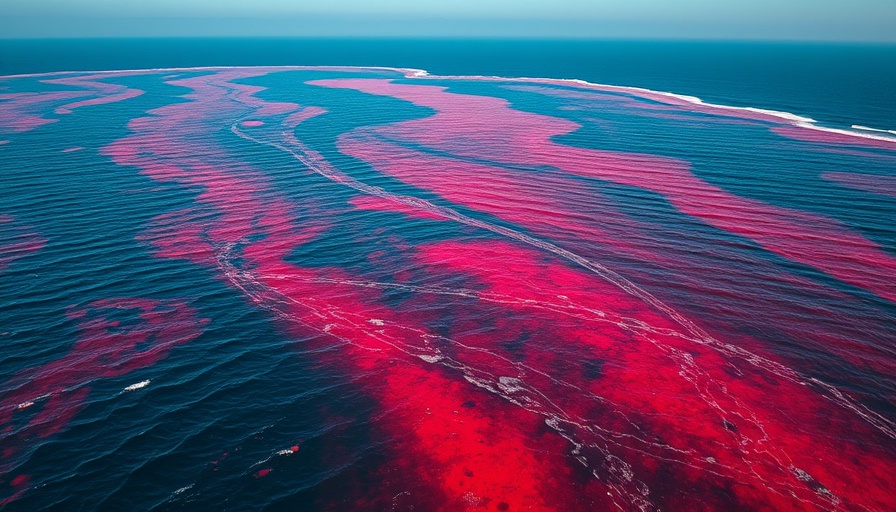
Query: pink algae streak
(117,336)
(883,185)
(487,128)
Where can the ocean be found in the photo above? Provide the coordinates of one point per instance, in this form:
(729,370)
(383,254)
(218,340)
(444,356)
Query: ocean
(835,83)
(447,275)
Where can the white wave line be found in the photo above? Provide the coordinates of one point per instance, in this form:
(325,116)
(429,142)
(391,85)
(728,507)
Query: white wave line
(414,73)
(524,395)
(784,117)
(317,163)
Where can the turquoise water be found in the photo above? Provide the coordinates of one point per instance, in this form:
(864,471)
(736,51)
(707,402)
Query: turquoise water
(840,84)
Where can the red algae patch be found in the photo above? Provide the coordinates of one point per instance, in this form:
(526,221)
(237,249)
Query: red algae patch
(445,300)
(521,138)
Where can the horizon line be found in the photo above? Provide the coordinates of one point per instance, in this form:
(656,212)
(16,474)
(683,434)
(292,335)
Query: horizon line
(459,38)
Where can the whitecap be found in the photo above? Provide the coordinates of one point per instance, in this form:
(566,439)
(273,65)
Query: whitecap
(136,386)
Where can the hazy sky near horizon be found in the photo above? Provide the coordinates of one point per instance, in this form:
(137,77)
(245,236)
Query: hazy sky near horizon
(836,20)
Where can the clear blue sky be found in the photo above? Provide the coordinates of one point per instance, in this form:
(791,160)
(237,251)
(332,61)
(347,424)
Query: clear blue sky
(840,20)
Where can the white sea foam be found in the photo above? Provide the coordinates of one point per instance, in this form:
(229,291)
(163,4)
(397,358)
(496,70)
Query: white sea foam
(136,386)
(867,128)
(29,403)
(851,133)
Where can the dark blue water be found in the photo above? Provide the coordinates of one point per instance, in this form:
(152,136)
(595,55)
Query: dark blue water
(838,84)
(259,289)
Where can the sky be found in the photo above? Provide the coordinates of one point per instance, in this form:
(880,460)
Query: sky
(813,20)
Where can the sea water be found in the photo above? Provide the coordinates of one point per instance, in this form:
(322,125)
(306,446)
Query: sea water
(337,288)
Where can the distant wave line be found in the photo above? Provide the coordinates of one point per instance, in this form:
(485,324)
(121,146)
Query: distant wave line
(869,129)
(788,118)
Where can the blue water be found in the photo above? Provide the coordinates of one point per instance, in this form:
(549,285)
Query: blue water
(280,278)
(839,84)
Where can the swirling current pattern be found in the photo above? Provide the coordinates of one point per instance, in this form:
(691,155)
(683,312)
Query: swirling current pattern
(367,288)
